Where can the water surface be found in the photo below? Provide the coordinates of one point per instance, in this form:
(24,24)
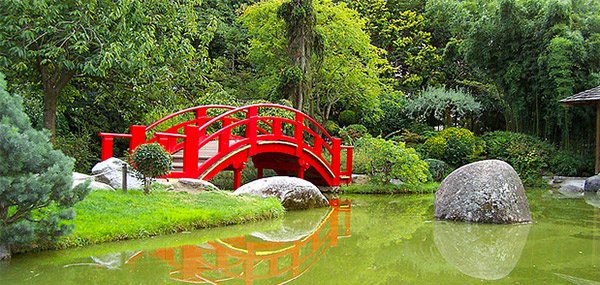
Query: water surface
(362,240)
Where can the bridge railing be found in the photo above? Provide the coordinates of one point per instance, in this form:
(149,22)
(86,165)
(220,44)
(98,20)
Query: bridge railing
(191,135)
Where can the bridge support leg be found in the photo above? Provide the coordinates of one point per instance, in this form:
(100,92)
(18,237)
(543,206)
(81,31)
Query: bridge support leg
(302,167)
(237,174)
(259,173)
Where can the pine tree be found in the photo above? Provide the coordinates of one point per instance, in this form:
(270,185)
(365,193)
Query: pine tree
(35,180)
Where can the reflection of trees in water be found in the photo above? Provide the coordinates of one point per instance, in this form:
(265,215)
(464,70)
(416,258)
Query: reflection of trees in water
(482,251)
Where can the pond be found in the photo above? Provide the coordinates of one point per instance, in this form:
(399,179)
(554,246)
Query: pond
(361,240)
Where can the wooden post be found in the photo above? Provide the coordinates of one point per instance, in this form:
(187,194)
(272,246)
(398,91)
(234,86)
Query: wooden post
(597,137)
(107,147)
(138,137)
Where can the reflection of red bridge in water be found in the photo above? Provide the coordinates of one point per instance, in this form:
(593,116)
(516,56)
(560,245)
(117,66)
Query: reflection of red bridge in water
(250,260)
(204,142)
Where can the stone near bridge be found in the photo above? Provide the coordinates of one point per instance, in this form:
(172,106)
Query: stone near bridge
(294,193)
(110,172)
(79,178)
(592,184)
(194,185)
(488,191)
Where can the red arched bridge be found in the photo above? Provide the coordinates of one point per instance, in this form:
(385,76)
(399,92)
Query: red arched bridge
(205,140)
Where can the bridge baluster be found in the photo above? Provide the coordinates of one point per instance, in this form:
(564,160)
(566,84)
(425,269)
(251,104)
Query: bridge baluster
(190,150)
(276,128)
(138,137)
(299,132)
(252,127)
(107,147)
(335,159)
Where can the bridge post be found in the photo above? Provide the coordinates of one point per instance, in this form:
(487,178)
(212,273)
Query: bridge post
(252,127)
(299,132)
(190,151)
(224,136)
(259,173)
(335,159)
(107,147)
(237,174)
(138,137)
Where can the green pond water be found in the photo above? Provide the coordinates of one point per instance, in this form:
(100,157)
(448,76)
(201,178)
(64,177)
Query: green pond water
(362,240)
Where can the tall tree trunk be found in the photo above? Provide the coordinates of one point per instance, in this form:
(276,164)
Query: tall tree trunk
(54,81)
(50,104)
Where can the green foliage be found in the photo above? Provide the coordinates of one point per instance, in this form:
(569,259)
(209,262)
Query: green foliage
(438,169)
(384,160)
(35,180)
(339,83)
(347,117)
(151,160)
(565,163)
(527,154)
(133,215)
(351,133)
(456,146)
(440,105)
(78,147)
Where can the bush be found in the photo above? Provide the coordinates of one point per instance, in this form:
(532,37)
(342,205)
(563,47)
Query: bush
(566,163)
(35,180)
(383,160)
(151,160)
(351,133)
(78,147)
(347,117)
(456,146)
(437,168)
(527,154)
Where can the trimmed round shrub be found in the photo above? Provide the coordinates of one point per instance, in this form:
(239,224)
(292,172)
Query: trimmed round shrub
(151,160)
(456,146)
(529,155)
(437,168)
(351,133)
(384,160)
(347,117)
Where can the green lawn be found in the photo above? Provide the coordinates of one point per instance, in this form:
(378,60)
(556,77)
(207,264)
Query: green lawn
(110,216)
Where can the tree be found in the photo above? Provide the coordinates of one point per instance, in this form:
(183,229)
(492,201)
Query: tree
(449,107)
(35,180)
(349,76)
(304,47)
(140,45)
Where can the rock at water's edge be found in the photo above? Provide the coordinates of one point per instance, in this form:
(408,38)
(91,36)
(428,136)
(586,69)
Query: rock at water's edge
(488,191)
(294,193)
(194,185)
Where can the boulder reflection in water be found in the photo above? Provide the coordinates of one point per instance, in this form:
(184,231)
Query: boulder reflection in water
(482,251)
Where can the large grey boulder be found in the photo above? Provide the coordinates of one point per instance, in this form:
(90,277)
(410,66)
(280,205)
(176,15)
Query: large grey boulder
(482,251)
(294,193)
(110,172)
(592,184)
(572,188)
(488,191)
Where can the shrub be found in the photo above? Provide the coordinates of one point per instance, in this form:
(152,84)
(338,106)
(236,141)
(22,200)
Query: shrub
(437,168)
(78,147)
(527,154)
(347,117)
(35,180)
(351,133)
(456,146)
(571,164)
(384,160)
(151,160)
(440,105)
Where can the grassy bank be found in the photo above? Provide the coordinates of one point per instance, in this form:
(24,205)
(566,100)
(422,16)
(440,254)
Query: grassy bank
(111,216)
(372,188)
